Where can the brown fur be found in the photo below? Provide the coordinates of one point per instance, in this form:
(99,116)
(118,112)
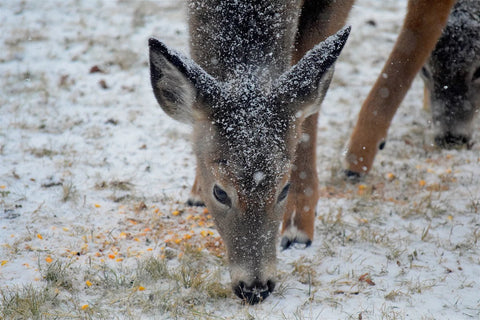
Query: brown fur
(422,27)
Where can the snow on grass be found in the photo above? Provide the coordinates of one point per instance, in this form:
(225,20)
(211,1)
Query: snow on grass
(93,177)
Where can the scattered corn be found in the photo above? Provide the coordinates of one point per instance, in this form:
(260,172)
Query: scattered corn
(390,176)
(206,233)
(88,283)
(97,205)
(39,236)
(49,259)
(3,262)
(175,213)
(141,288)
(85,306)
(422,183)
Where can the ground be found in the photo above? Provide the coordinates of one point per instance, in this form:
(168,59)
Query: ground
(94,176)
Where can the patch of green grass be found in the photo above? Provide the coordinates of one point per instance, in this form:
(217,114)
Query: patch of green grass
(58,274)
(27,302)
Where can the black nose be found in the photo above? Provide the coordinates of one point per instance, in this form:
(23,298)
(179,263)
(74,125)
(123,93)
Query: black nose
(255,293)
(449,140)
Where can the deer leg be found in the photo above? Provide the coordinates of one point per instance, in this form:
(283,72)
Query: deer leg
(194,199)
(421,29)
(318,20)
(299,219)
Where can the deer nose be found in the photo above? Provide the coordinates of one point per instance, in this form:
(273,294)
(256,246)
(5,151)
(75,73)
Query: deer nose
(255,293)
(449,140)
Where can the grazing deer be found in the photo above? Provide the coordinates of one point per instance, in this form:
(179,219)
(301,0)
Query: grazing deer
(421,29)
(452,76)
(254,117)
(247,106)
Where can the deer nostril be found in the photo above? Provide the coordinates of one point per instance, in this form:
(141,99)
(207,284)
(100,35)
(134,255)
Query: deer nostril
(449,140)
(255,293)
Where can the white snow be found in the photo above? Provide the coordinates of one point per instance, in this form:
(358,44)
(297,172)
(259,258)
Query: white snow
(88,173)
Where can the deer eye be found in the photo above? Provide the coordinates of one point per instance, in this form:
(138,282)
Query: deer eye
(221,196)
(284,193)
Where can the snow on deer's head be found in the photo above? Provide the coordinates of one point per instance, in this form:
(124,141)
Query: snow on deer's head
(245,133)
(452,77)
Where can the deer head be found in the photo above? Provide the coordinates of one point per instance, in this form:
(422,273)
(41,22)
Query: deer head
(245,132)
(452,77)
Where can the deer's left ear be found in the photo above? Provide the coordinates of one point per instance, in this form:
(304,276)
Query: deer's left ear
(178,83)
(303,87)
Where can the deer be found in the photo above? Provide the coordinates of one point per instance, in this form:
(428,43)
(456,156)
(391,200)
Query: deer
(253,79)
(422,27)
(451,77)
(251,90)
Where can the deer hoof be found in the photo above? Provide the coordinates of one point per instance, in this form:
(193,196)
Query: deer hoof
(194,201)
(353,176)
(288,242)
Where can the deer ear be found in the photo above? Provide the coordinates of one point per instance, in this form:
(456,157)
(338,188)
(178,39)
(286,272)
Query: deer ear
(178,82)
(303,87)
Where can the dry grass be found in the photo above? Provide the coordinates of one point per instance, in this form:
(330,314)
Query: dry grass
(154,286)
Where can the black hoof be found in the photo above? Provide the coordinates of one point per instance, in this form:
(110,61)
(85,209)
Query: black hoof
(195,203)
(450,141)
(287,243)
(255,293)
(352,176)
(381,145)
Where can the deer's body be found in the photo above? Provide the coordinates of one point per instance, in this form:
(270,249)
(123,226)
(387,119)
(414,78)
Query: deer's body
(254,116)
(247,106)
(452,76)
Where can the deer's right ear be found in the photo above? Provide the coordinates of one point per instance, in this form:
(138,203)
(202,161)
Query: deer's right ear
(178,82)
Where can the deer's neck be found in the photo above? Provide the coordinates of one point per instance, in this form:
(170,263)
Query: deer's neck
(230,38)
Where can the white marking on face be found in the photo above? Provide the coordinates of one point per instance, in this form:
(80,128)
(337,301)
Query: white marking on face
(258,177)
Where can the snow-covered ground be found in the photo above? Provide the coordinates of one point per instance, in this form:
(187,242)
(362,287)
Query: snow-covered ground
(93,176)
